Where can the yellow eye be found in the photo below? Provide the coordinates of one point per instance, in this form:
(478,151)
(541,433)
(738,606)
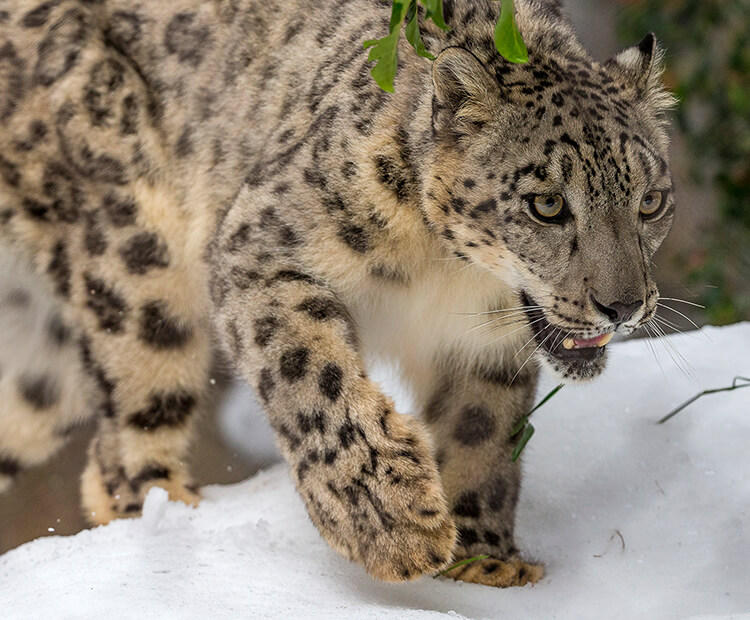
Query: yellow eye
(548,207)
(651,203)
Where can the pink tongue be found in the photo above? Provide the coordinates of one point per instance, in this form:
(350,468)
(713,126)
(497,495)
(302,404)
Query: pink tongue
(588,342)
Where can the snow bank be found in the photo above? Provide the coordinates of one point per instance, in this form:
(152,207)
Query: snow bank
(633,520)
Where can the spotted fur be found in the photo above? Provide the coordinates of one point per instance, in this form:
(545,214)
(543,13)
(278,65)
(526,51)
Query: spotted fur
(201,173)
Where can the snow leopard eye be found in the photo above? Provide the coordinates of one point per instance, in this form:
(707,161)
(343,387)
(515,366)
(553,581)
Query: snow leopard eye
(548,207)
(651,203)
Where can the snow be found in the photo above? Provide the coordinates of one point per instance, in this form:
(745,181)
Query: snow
(632,519)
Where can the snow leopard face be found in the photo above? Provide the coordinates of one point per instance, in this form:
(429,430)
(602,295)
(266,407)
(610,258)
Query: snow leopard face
(561,186)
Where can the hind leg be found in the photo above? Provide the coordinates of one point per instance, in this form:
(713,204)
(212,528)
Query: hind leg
(44,391)
(95,202)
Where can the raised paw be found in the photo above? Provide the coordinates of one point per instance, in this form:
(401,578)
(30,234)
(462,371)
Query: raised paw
(409,552)
(378,498)
(112,495)
(498,573)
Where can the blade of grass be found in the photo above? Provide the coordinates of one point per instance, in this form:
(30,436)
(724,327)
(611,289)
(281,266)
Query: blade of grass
(461,563)
(525,428)
(735,386)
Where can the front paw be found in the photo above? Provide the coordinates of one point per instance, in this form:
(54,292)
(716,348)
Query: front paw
(409,551)
(498,573)
(381,501)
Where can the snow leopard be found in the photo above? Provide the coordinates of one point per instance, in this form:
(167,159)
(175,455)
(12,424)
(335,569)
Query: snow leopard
(183,178)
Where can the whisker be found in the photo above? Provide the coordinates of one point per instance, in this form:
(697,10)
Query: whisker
(682,301)
(532,354)
(679,360)
(486,344)
(652,348)
(500,318)
(496,311)
(687,318)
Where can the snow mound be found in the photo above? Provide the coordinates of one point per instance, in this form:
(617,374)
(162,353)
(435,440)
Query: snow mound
(632,519)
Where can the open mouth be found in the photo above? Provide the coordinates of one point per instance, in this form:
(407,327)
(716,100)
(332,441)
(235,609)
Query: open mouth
(562,344)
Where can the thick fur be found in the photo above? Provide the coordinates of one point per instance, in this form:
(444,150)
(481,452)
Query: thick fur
(197,173)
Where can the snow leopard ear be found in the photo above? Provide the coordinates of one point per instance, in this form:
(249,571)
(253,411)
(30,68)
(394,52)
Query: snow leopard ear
(464,91)
(640,66)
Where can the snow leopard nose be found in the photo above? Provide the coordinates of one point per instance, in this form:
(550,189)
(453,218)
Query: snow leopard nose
(617,312)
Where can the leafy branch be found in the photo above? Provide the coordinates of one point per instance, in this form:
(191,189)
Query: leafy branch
(384,52)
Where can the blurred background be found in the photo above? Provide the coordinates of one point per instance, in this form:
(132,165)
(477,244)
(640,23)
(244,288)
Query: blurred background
(705,260)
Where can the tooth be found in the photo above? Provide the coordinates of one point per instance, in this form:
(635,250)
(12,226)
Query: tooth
(605,340)
(569,343)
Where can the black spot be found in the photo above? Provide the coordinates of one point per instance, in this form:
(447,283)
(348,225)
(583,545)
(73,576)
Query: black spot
(108,306)
(392,176)
(355,237)
(120,211)
(266,384)
(346,434)
(59,269)
(310,422)
(329,381)
(487,206)
(147,474)
(39,16)
(129,116)
(123,30)
(106,78)
(59,51)
(467,536)
(475,425)
(239,238)
(165,409)
(186,38)
(94,239)
(265,328)
(144,251)
(184,146)
(161,330)
(40,391)
(322,308)
(287,236)
(9,172)
(293,364)
(58,332)
(491,538)
(467,505)
(9,467)
(243,279)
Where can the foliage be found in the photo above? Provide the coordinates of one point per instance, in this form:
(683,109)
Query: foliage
(384,51)
(708,60)
(525,429)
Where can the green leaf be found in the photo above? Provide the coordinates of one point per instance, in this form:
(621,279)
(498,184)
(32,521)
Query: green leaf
(508,39)
(546,398)
(461,563)
(385,51)
(412,32)
(528,431)
(434,11)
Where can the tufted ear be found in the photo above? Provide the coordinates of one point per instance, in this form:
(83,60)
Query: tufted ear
(464,91)
(638,65)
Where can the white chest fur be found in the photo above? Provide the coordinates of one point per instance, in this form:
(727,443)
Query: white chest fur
(443,310)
